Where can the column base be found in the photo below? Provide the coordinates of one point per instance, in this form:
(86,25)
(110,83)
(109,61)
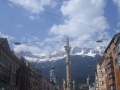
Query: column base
(68,89)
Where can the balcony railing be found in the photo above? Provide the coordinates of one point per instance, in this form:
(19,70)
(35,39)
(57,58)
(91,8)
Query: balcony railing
(3,77)
(100,75)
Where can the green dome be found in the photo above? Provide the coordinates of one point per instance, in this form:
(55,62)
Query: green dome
(52,70)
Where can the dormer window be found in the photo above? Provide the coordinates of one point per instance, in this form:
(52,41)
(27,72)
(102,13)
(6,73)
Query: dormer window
(115,40)
(118,49)
(114,50)
(119,60)
(98,67)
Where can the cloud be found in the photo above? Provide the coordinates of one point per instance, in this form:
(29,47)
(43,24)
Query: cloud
(10,5)
(6,36)
(81,16)
(35,6)
(33,17)
(85,20)
(118,3)
(118,24)
(33,49)
(19,25)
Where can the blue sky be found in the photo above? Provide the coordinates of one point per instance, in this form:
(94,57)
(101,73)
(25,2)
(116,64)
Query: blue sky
(27,21)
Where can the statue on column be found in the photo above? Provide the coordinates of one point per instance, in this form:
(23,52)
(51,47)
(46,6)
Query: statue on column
(67,41)
(88,80)
(64,84)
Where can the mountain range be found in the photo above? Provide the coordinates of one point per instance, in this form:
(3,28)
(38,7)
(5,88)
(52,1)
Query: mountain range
(60,54)
(83,62)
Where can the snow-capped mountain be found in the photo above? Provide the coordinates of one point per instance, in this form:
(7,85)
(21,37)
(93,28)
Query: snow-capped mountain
(59,54)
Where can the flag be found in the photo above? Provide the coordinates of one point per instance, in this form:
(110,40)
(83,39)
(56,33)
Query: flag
(10,69)
(17,76)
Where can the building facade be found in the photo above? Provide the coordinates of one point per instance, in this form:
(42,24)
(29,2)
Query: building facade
(45,84)
(110,65)
(101,75)
(53,75)
(9,67)
(30,77)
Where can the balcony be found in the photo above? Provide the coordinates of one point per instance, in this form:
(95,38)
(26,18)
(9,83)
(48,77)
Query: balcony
(4,78)
(30,85)
(118,51)
(110,59)
(100,75)
(110,70)
(112,81)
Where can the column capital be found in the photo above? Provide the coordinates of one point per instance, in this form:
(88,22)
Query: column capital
(67,48)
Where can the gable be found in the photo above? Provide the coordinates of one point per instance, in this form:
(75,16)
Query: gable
(4,43)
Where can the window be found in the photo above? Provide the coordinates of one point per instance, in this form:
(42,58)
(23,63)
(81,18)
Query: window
(115,40)
(105,69)
(116,61)
(99,75)
(96,85)
(36,84)
(98,67)
(110,65)
(118,49)
(114,50)
(37,77)
(110,55)
(3,58)
(119,60)
(14,67)
(33,83)
(5,61)
(30,74)
(26,63)
(33,75)
(0,56)
(113,87)
(111,75)
(100,83)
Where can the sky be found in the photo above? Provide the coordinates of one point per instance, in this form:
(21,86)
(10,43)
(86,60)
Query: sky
(41,26)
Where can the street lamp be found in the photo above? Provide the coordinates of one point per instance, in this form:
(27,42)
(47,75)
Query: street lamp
(17,43)
(99,41)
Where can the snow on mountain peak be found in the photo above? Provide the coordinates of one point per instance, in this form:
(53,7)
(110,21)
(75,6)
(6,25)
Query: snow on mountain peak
(60,53)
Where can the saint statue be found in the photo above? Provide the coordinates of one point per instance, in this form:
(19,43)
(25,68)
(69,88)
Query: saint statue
(67,41)
(73,85)
(68,83)
(63,83)
(88,80)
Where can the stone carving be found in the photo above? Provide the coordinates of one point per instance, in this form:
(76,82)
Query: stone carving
(73,85)
(64,84)
(88,80)
(69,83)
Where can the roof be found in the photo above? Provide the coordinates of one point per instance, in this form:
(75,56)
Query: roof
(5,42)
(118,34)
(52,70)
(20,57)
